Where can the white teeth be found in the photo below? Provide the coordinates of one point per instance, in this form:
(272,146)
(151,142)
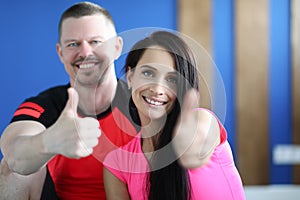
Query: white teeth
(156,103)
(86,66)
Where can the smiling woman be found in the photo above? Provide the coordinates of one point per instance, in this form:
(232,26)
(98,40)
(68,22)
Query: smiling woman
(181,152)
(153,83)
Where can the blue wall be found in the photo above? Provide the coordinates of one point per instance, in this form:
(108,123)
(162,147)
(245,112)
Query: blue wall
(280,86)
(223,55)
(29,62)
(280,111)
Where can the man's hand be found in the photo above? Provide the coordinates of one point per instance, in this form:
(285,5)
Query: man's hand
(196,133)
(70,135)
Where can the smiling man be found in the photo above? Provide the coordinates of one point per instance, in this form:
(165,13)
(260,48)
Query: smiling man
(63,133)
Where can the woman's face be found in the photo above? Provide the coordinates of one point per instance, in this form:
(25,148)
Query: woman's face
(154,84)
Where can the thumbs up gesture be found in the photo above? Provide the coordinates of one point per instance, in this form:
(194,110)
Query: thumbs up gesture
(70,135)
(196,133)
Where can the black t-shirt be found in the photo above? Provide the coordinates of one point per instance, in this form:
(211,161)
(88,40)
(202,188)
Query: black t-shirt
(47,106)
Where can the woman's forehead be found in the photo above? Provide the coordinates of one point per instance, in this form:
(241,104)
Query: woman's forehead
(157,57)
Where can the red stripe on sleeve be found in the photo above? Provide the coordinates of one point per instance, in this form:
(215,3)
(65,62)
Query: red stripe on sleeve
(27,111)
(223,133)
(32,105)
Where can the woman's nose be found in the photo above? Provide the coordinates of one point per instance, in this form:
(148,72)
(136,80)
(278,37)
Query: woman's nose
(157,89)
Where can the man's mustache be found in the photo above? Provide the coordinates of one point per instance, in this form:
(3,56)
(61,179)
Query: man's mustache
(86,60)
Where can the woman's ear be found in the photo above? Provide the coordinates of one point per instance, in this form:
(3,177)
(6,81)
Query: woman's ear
(129,76)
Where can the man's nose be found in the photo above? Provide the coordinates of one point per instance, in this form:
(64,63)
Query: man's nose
(85,49)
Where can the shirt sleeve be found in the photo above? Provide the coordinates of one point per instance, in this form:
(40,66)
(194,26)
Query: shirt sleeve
(44,108)
(111,164)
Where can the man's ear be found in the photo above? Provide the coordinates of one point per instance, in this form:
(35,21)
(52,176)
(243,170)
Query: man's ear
(119,47)
(59,52)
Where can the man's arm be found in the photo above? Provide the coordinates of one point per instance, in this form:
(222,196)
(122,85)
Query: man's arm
(14,186)
(22,147)
(28,145)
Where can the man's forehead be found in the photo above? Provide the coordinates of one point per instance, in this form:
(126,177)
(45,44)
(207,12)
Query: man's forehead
(88,26)
(89,20)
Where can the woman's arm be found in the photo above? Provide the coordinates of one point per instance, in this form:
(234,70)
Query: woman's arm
(115,189)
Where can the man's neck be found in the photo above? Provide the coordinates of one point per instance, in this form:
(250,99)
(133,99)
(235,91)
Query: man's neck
(97,99)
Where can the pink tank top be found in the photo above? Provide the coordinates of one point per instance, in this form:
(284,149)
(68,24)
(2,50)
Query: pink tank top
(218,179)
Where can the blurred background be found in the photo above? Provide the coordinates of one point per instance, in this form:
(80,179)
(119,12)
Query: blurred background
(255,45)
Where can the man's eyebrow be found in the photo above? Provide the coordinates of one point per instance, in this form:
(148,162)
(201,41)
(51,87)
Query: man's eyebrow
(97,37)
(69,40)
(91,38)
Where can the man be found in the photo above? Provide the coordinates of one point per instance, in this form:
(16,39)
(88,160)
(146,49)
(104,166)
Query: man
(56,134)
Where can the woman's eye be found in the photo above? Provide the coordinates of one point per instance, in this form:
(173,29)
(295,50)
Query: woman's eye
(172,80)
(147,73)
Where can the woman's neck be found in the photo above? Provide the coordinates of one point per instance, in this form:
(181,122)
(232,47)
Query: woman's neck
(150,135)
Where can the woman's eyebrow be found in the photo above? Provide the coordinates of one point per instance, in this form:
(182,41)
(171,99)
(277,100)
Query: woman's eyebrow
(148,66)
(173,73)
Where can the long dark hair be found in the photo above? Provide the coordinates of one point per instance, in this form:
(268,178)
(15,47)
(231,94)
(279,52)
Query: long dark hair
(171,181)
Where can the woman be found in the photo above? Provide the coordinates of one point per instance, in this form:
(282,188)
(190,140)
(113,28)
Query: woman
(167,160)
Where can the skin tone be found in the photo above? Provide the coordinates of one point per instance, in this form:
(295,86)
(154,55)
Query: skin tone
(87,53)
(36,144)
(15,187)
(153,83)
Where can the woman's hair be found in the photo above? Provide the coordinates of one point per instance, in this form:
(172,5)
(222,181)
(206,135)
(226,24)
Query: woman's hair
(172,181)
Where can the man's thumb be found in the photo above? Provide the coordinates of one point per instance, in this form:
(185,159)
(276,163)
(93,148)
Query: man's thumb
(72,102)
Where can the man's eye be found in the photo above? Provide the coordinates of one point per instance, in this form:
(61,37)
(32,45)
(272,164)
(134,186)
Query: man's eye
(96,42)
(72,44)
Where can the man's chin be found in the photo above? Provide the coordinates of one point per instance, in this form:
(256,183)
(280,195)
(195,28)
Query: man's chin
(88,82)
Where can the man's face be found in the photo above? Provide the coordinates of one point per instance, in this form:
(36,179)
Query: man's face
(88,47)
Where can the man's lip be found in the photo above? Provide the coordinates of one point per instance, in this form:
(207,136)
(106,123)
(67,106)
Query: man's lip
(85,61)
(87,65)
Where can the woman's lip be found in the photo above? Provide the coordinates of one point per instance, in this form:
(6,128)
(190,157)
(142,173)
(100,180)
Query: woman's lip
(154,102)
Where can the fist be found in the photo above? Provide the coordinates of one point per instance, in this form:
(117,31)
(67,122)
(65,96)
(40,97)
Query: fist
(70,135)
(196,133)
